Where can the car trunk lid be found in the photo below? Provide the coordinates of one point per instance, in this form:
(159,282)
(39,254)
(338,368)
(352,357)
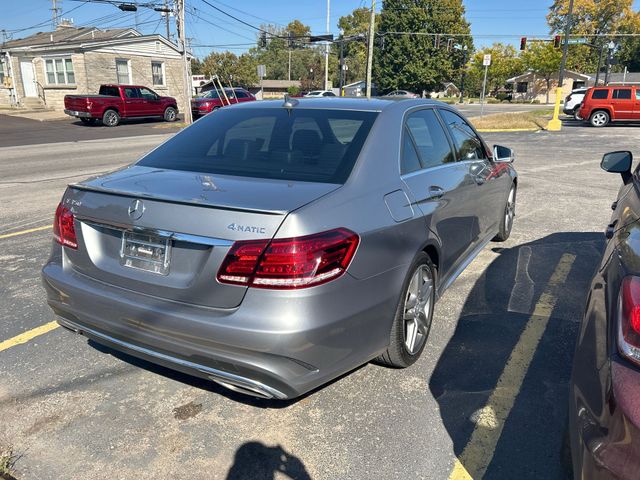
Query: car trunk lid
(165,233)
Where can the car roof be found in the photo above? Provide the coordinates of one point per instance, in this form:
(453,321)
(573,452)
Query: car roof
(376,104)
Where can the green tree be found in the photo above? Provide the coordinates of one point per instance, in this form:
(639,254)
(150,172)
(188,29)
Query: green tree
(594,18)
(196,67)
(355,28)
(415,62)
(230,68)
(505,63)
(544,60)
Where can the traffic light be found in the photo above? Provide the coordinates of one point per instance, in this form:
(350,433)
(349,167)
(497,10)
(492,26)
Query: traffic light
(128,7)
(262,40)
(523,43)
(556,41)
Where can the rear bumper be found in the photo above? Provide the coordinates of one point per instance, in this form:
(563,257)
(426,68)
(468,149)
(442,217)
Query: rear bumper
(276,344)
(607,437)
(75,113)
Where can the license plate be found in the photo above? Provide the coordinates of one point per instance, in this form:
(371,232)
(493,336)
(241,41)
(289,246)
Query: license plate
(145,252)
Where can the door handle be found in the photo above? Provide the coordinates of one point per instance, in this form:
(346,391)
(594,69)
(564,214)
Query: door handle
(435,192)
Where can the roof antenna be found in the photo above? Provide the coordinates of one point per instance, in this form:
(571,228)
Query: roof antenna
(289,102)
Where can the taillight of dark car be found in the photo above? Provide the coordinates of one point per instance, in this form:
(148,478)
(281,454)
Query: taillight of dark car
(64,230)
(629,319)
(289,263)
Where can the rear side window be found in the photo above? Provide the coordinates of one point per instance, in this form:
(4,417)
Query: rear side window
(622,93)
(409,162)
(210,94)
(600,94)
(131,93)
(637,93)
(430,139)
(467,143)
(110,91)
(273,143)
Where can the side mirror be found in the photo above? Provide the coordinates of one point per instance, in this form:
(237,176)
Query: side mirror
(618,162)
(503,154)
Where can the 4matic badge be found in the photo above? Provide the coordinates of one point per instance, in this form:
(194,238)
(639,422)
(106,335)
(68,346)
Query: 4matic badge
(246,228)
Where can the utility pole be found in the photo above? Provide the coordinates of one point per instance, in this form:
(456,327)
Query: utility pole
(55,10)
(180,5)
(565,45)
(341,76)
(372,21)
(465,48)
(166,19)
(326,50)
(599,65)
(555,124)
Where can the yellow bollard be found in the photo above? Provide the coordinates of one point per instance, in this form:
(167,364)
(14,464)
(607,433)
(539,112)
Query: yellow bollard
(555,125)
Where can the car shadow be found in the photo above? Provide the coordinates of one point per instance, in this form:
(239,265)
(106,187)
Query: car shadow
(127,121)
(256,461)
(493,318)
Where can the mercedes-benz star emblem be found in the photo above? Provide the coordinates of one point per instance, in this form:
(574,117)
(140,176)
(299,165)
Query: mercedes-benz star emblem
(136,209)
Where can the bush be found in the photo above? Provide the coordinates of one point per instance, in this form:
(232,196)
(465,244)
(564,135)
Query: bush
(293,90)
(492,100)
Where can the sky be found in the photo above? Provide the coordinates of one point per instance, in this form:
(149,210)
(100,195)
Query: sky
(491,20)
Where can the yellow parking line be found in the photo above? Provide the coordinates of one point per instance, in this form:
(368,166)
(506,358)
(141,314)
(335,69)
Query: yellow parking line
(478,453)
(23,232)
(28,335)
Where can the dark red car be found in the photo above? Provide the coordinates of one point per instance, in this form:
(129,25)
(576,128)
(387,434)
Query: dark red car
(115,102)
(604,394)
(215,99)
(602,105)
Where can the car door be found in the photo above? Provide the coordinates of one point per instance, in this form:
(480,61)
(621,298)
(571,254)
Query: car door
(151,103)
(486,184)
(436,182)
(133,102)
(622,104)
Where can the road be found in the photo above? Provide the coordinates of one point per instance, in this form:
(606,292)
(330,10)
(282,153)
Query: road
(73,409)
(24,131)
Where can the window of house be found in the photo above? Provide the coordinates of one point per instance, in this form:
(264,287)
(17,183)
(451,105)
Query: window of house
(59,71)
(157,72)
(522,87)
(622,93)
(122,72)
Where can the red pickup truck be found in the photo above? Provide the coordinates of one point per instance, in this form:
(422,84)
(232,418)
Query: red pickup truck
(115,102)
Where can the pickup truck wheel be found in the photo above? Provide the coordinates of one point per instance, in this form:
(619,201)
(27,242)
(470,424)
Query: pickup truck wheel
(110,118)
(599,118)
(170,114)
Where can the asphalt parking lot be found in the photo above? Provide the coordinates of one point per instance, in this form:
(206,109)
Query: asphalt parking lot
(74,409)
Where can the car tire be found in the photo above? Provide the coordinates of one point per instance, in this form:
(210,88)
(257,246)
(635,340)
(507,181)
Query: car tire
(88,121)
(599,118)
(576,114)
(414,315)
(170,114)
(110,118)
(506,221)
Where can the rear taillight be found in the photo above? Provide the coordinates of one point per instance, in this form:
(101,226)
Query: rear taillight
(629,319)
(64,230)
(289,262)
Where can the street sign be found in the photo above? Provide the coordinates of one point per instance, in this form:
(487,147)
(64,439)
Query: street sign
(574,41)
(486,61)
(262,71)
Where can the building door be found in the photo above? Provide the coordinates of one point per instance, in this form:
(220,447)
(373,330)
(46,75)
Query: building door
(28,78)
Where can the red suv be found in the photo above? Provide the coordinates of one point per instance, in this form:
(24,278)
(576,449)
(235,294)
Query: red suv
(602,105)
(211,100)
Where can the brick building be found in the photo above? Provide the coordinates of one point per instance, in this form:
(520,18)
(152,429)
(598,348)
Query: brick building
(39,70)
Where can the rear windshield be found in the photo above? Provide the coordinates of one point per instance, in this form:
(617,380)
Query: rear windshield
(214,94)
(299,145)
(110,91)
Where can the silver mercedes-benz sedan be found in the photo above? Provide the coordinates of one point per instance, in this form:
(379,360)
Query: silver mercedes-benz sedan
(274,246)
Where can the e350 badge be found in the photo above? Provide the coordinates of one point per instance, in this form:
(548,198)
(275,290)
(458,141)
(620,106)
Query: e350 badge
(246,228)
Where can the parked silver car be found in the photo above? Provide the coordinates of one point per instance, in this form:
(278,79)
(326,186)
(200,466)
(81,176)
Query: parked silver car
(275,246)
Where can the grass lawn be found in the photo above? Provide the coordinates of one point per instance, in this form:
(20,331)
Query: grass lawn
(535,120)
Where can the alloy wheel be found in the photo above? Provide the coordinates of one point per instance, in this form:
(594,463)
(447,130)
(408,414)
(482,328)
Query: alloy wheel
(599,119)
(417,312)
(111,119)
(510,211)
